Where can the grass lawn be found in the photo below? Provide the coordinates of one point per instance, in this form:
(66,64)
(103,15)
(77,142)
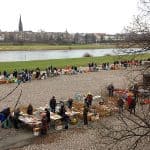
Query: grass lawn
(11,47)
(61,63)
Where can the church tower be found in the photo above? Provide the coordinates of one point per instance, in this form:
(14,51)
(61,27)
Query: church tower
(20,25)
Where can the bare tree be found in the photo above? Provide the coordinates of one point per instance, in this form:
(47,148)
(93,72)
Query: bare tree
(132,131)
(128,131)
(137,34)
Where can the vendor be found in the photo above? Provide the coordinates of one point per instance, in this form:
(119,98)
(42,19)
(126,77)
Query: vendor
(110,89)
(5,118)
(44,126)
(135,91)
(120,104)
(16,118)
(62,113)
(6,112)
(30,109)
(47,116)
(70,102)
(89,98)
(52,104)
(85,115)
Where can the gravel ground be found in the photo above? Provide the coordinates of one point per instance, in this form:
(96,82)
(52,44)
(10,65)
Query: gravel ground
(38,93)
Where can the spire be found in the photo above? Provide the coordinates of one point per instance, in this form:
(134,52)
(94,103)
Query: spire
(20,25)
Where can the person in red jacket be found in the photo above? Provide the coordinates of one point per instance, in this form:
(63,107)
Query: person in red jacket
(129,100)
(131,103)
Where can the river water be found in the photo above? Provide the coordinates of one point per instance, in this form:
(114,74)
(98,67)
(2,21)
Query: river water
(10,56)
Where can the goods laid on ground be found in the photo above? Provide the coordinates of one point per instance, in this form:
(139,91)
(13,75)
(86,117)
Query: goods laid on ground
(36,131)
(30,120)
(97,110)
(75,114)
(144,102)
(3,81)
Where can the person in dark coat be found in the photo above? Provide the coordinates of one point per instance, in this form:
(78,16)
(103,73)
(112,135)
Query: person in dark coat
(62,113)
(90,98)
(16,118)
(120,104)
(135,91)
(47,116)
(44,126)
(85,115)
(52,104)
(30,109)
(70,102)
(132,105)
(110,89)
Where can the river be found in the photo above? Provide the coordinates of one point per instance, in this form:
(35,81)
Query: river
(11,56)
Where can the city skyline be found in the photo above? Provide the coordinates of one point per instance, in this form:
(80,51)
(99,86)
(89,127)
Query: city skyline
(82,16)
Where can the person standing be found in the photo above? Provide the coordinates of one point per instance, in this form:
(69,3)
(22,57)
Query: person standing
(70,102)
(110,89)
(120,104)
(133,105)
(129,100)
(30,110)
(62,113)
(90,98)
(135,91)
(52,104)
(47,116)
(16,118)
(44,126)
(85,115)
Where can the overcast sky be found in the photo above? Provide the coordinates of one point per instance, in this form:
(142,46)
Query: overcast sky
(102,16)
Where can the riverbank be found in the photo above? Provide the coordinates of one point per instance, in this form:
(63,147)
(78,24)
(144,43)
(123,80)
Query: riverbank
(29,47)
(62,63)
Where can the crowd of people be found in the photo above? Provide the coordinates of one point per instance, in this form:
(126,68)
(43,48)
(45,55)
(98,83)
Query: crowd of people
(130,98)
(25,75)
(125,100)
(10,118)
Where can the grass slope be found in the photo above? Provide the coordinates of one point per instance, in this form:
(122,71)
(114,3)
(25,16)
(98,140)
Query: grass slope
(61,63)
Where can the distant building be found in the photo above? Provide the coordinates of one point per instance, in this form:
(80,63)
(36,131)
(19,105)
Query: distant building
(20,25)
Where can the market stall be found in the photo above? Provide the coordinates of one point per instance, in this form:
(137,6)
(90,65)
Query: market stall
(30,120)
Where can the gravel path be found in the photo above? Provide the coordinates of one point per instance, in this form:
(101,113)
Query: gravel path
(38,92)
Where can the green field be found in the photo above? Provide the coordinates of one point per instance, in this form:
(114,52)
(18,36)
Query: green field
(11,47)
(61,63)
